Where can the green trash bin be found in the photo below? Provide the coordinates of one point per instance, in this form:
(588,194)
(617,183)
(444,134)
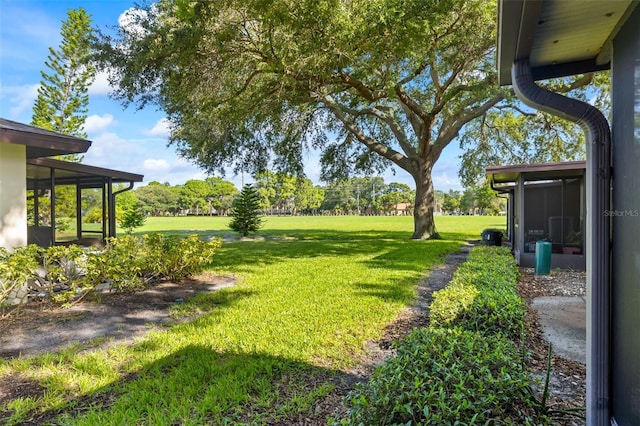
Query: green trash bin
(543,258)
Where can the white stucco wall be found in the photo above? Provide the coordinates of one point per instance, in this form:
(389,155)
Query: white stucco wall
(13,195)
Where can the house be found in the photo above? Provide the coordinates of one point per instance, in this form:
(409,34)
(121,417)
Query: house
(541,39)
(26,168)
(401,209)
(545,202)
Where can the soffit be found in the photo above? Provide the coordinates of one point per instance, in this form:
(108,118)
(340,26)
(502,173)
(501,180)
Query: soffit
(531,172)
(559,37)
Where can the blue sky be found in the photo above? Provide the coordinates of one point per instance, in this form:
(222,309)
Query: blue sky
(123,139)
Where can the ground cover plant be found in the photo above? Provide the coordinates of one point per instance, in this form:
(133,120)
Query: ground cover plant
(466,367)
(310,293)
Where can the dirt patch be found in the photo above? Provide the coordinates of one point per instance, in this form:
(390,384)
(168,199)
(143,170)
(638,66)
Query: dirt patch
(116,317)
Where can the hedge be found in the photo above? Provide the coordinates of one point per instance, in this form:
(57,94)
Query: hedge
(465,368)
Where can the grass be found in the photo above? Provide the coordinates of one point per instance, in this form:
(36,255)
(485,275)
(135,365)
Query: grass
(450,227)
(309,295)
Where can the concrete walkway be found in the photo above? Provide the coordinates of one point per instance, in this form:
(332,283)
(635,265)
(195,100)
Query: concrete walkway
(563,321)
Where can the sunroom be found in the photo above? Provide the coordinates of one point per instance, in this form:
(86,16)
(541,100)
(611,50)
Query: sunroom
(546,202)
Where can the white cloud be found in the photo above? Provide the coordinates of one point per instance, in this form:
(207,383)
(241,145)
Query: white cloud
(129,21)
(109,150)
(21,99)
(174,170)
(445,181)
(161,128)
(100,85)
(156,165)
(97,123)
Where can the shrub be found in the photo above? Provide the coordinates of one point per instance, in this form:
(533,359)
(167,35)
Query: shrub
(132,219)
(444,377)
(132,262)
(63,268)
(465,367)
(94,215)
(125,265)
(128,263)
(482,295)
(63,224)
(176,257)
(16,269)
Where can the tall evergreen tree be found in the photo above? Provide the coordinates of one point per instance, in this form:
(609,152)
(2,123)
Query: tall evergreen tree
(61,105)
(63,98)
(246,212)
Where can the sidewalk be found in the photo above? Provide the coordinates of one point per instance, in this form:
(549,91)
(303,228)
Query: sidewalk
(563,321)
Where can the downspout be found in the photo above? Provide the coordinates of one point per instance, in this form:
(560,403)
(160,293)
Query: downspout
(598,243)
(112,207)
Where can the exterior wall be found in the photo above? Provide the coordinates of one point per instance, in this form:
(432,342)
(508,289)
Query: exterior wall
(625,217)
(13,195)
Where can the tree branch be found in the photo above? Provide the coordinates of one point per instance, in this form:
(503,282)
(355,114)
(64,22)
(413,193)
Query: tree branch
(451,127)
(565,88)
(406,100)
(398,132)
(371,144)
(362,88)
(414,74)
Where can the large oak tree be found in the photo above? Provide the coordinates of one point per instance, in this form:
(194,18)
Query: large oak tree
(370,83)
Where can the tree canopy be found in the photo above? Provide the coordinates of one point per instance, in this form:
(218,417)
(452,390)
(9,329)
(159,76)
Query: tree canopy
(369,83)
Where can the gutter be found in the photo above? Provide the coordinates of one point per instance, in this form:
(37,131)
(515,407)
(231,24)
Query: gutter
(112,206)
(598,241)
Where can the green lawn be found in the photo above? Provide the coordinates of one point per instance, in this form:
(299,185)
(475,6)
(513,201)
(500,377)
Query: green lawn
(450,227)
(309,295)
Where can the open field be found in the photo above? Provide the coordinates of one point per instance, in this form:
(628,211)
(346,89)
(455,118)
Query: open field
(450,227)
(310,292)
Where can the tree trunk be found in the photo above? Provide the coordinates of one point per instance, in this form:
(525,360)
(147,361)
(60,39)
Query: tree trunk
(423,222)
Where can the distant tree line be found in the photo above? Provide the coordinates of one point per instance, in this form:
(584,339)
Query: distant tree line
(477,200)
(285,194)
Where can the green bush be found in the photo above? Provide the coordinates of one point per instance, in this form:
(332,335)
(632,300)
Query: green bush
(482,295)
(64,267)
(132,263)
(465,367)
(176,257)
(94,215)
(127,263)
(131,219)
(16,269)
(444,377)
(126,267)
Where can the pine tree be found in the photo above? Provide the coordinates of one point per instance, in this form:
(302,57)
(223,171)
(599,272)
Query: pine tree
(246,212)
(63,98)
(63,95)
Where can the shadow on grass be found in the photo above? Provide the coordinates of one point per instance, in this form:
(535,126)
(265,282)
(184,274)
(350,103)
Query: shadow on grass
(397,250)
(196,385)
